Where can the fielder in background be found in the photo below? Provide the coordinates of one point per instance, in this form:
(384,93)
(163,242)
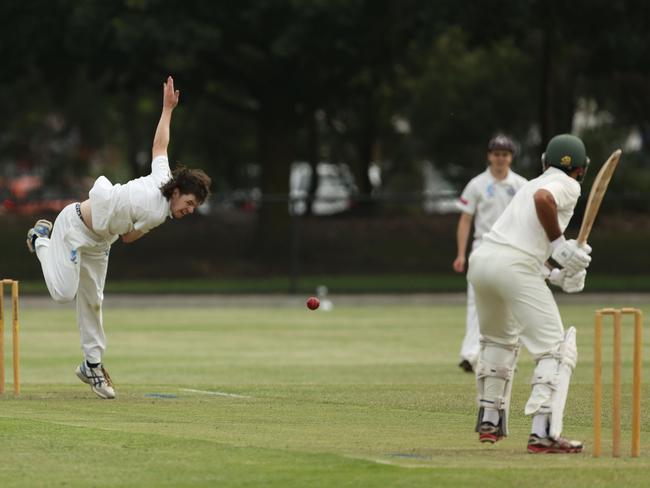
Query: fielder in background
(74,252)
(483,200)
(515,306)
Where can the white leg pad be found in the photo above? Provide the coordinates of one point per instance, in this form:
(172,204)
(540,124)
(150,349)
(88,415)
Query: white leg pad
(568,361)
(494,373)
(551,380)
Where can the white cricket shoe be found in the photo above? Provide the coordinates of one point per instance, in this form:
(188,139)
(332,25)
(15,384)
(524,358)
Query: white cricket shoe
(542,445)
(42,228)
(98,379)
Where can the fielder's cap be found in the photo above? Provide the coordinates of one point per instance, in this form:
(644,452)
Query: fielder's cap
(501,143)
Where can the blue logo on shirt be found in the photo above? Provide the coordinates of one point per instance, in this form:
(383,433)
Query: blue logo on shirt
(73,256)
(509,189)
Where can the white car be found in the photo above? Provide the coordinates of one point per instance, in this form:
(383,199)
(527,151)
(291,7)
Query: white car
(333,194)
(439,195)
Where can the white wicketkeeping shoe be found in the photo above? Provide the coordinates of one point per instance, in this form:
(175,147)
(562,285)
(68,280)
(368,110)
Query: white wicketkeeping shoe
(42,228)
(98,379)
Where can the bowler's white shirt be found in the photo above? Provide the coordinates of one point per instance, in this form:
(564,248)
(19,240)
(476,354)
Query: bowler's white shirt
(486,197)
(519,226)
(137,205)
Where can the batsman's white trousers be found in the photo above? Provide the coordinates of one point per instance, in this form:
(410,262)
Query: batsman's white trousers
(74,262)
(512,299)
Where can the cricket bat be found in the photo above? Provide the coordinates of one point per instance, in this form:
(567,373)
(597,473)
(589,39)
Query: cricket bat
(596,195)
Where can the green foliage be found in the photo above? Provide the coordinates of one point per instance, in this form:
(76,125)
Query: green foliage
(460,88)
(253,74)
(628,188)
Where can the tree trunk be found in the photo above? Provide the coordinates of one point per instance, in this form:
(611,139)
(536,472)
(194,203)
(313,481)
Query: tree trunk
(276,152)
(366,148)
(314,159)
(132,134)
(546,94)
(557,100)
(368,139)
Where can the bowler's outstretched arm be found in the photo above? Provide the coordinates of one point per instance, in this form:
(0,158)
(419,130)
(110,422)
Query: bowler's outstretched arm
(170,100)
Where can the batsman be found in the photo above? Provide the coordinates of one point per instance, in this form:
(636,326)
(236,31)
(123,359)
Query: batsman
(525,247)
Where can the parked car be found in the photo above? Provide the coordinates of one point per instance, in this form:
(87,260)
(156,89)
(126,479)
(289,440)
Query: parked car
(333,195)
(439,195)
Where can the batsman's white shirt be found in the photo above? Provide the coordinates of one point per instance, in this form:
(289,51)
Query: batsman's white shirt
(486,197)
(519,227)
(137,205)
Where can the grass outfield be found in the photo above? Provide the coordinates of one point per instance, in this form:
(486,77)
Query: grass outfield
(365,396)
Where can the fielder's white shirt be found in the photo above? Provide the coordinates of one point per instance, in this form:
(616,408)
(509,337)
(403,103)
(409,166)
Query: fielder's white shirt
(519,226)
(137,205)
(486,197)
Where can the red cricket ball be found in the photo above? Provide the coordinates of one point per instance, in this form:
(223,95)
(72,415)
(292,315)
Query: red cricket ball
(312,303)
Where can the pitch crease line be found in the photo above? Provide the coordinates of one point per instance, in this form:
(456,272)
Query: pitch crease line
(215,393)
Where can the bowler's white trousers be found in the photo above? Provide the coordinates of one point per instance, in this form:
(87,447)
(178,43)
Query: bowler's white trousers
(74,262)
(512,299)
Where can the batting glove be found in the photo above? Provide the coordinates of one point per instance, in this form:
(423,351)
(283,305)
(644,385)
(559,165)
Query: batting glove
(569,255)
(585,247)
(573,283)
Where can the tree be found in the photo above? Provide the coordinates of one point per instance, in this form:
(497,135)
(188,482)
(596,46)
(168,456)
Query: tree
(464,95)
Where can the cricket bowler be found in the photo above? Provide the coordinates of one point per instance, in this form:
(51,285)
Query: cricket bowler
(74,251)
(515,306)
(483,200)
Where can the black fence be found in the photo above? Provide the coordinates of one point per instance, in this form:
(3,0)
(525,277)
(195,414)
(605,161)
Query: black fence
(397,235)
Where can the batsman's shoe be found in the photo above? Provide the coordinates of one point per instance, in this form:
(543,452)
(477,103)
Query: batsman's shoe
(546,445)
(489,433)
(42,228)
(98,379)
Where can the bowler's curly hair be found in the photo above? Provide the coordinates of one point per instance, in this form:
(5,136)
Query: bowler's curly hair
(188,181)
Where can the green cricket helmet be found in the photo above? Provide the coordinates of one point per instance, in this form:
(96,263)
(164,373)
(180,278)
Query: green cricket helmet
(566,152)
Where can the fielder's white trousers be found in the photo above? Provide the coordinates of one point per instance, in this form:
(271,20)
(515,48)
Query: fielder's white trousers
(512,299)
(74,262)
(472,341)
